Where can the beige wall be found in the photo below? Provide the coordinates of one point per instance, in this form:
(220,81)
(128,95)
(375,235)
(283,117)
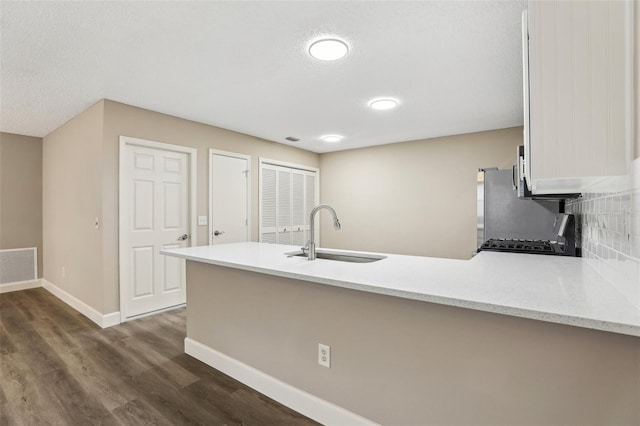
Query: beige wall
(21,193)
(405,362)
(125,120)
(415,198)
(80,172)
(72,199)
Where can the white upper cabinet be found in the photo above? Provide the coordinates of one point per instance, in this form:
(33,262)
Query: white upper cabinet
(579,91)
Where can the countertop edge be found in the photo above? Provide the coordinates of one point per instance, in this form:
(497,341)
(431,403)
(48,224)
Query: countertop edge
(601,325)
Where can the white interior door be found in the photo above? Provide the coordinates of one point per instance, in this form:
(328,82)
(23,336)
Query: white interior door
(155,214)
(229,198)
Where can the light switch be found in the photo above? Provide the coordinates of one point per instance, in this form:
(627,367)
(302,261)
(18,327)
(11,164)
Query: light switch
(202,220)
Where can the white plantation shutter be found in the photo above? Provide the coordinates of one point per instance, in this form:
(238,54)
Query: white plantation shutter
(284,237)
(284,200)
(310,201)
(269,237)
(284,206)
(268,196)
(287,196)
(297,199)
(298,238)
(298,216)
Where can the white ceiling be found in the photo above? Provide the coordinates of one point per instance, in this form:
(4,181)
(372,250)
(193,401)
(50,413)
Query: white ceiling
(454,65)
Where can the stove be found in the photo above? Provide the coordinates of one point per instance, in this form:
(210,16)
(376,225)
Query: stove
(523,246)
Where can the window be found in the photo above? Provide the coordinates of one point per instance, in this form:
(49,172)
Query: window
(288,193)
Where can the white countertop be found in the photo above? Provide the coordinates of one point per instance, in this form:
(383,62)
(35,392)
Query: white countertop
(557,289)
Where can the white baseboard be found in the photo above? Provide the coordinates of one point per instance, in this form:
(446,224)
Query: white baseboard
(22,285)
(109,320)
(303,402)
(103,320)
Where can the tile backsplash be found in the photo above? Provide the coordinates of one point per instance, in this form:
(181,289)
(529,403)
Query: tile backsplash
(611,233)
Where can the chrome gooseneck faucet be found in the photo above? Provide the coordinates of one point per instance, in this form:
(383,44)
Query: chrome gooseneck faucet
(311,245)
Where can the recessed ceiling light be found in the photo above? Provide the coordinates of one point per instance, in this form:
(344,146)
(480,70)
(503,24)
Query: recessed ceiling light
(383,104)
(328,49)
(332,138)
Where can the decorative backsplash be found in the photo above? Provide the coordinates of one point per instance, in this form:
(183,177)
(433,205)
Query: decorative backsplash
(611,233)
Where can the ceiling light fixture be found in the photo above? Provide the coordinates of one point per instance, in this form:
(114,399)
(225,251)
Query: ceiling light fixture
(328,49)
(383,104)
(332,138)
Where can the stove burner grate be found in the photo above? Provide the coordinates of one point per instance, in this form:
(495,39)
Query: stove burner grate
(521,246)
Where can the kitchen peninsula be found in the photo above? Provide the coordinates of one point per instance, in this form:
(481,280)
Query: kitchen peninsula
(413,339)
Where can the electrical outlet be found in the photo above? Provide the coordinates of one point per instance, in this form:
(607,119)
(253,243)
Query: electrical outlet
(202,220)
(324,355)
(64,272)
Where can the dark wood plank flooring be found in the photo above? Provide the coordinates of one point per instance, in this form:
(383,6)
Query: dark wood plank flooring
(59,368)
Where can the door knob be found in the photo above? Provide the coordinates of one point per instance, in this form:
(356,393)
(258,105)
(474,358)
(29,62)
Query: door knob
(183,237)
(217,233)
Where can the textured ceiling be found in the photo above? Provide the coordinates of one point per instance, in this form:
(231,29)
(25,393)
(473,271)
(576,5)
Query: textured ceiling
(455,66)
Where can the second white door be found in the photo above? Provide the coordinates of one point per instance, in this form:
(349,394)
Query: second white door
(230,198)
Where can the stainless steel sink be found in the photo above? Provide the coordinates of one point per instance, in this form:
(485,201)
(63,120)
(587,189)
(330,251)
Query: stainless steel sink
(353,257)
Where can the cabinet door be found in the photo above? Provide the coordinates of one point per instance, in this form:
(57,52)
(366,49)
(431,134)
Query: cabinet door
(580,75)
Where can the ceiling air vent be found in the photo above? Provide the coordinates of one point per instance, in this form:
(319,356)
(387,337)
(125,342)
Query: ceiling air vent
(292,139)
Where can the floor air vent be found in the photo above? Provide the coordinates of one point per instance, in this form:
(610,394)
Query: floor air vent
(18,265)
